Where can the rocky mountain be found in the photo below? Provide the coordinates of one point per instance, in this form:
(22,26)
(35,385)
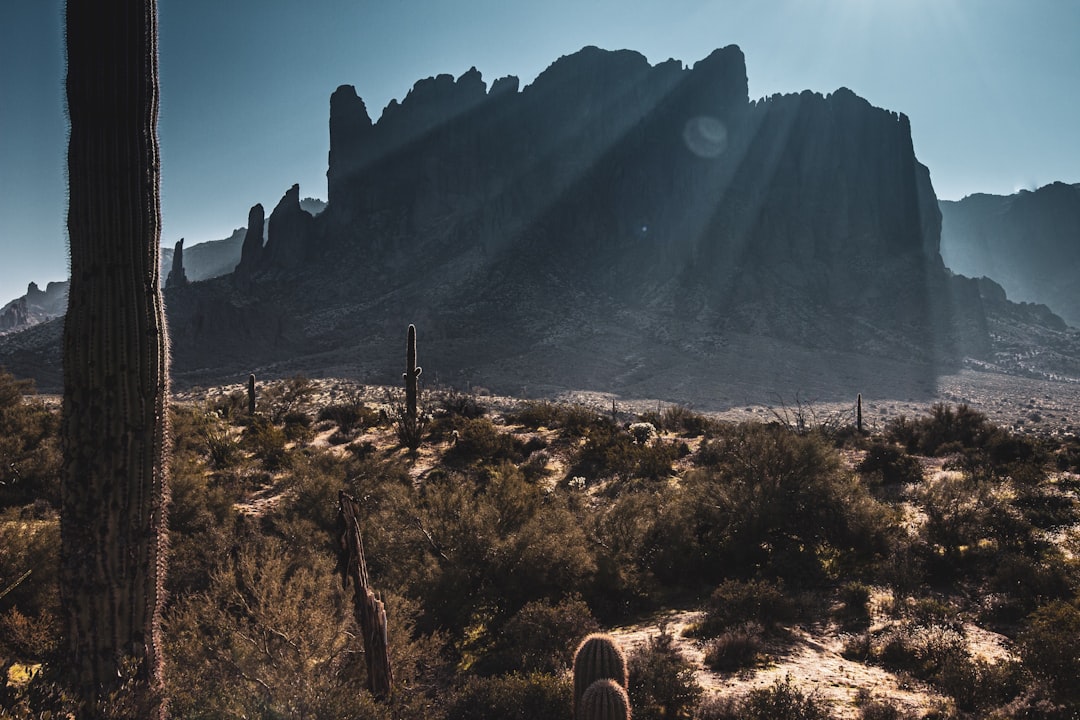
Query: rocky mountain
(616,226)
(200,262)
(34,307)
(1029,242)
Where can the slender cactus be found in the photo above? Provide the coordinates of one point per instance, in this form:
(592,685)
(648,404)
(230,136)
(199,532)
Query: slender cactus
(411,374)
(604,700)
(114,490)
(598,657)
(251,394)
(858,413)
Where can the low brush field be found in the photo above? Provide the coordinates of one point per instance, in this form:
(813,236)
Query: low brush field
(785,567)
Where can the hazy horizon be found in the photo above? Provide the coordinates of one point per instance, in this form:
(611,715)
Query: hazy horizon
(245,89)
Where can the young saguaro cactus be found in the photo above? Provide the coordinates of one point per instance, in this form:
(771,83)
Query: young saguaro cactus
(251,394)
(598,657)
(604,700)
(858,413)
(411,374)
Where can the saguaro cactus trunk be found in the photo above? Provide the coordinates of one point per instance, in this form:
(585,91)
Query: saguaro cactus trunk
(411,374)
(113,490)
(368,611)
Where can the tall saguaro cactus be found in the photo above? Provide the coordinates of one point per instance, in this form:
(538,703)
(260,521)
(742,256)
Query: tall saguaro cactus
(114,491)
(411,374)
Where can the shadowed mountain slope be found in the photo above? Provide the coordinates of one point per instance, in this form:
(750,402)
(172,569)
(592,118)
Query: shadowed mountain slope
(616,226)
(1029,242)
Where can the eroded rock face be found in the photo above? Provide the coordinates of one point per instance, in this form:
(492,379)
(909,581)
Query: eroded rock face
(612,221)
(803,217)
(35,307)
(289,233)
(251,252)
(177,277)
(1028,242)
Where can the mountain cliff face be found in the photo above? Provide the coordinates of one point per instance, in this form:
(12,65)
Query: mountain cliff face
(611,226)
(1028,242)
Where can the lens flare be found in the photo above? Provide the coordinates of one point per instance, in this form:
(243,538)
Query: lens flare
(705,136)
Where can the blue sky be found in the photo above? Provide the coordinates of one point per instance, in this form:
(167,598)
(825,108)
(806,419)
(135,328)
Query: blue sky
(991,87)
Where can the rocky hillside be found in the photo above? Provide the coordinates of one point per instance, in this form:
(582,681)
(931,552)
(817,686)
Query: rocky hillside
(1028,242)
(616,226)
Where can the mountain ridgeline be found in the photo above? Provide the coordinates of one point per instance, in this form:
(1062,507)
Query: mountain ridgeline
(615,226)
(1029,242)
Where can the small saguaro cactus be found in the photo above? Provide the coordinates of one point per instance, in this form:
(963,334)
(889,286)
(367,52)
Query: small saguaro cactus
(598,657)
(251,394)
(604,700)
(858,413)
(411,374)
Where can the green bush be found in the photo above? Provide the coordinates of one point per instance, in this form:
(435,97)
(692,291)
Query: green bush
(737,602)
(480,442)
(736,648)
(537,696)
(890,465)
(458,404)
(662,683)
(610,451)
(267,442)
(540,637)
(572,420)
(780,701)
(29,447)
(1048,646)
(349,416)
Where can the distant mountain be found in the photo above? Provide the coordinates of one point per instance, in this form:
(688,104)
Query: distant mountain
(613,226)
(1029,242)
(201,262)
(34,307)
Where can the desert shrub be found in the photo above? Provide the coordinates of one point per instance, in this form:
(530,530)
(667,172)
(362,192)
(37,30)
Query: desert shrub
(459,404)
(736,648)
(890,464)
(537,696)
(1046,507)
(200,508)
(29,446)
(662,683)
(540,637)
(873,708)
(627,544)
(480,442)
(232,406)
(1028,580)
(610,451)
(222,449)
(855,603)
(349,416)
(1048,646)
(944,431)
(783,701)
(266,442)
(940,656)
(495,542)
(29,543)
(282,644)
(777,504)
(681,420)
(571,420)
(737,602)
(961,512)
(283,397)
(710,453)
(535,415)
